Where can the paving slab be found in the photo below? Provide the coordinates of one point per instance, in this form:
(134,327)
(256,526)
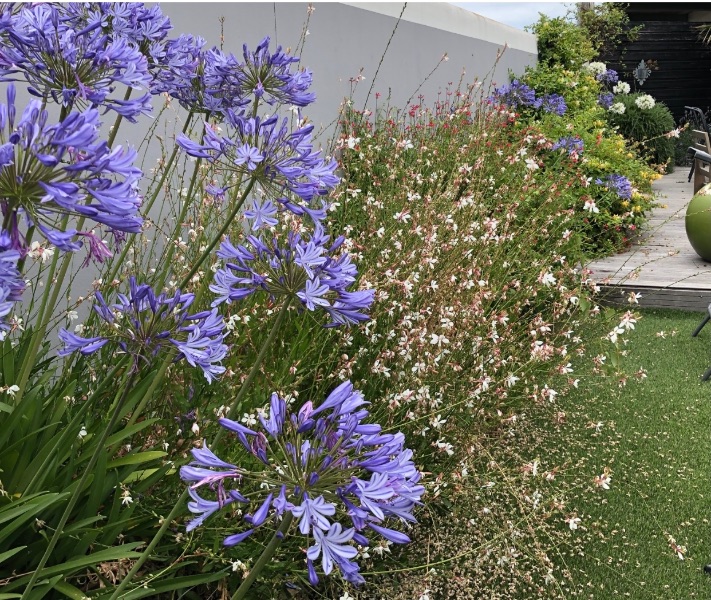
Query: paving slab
(660,265)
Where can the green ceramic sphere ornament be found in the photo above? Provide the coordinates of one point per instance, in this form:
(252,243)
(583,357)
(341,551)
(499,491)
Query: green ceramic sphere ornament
(698,222)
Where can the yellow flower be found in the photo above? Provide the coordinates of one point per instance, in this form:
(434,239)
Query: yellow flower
(637,208)
(625,203)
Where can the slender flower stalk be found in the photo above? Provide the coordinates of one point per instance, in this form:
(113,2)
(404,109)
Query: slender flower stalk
(264,557)
(236,405)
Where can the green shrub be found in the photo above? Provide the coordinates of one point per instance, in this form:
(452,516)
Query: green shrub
(647,127)
(562,42)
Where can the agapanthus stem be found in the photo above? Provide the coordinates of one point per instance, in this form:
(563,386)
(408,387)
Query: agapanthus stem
(168,259)
(157,379)
(128,386)
(180,504)
(46,307)
(218,237)
(117,122)
(265,557)
(146,209)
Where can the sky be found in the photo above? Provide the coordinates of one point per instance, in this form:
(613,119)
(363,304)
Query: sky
(516,14)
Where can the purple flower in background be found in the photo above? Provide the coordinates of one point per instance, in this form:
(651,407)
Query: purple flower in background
(262,215)
(311,270)
(326,466)
(554,103)
(143,325)
(570,144)
(130,21)
(618,184)
(283,161)
(610,77)
(211,81)
(49,171)
(66,54)
(606,99)
(269,77)
(515,95)
(11,283)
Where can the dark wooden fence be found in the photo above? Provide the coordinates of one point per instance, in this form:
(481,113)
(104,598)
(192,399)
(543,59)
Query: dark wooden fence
(680,63)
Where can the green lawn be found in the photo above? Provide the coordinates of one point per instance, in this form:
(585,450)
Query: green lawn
(654,436)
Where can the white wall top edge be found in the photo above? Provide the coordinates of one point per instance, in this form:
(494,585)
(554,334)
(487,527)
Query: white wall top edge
(455,19)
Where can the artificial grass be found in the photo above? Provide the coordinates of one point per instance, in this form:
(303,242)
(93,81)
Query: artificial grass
(654,436)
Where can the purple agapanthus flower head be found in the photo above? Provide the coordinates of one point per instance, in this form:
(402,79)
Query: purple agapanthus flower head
(144,324)
(606,99)
(609,76)
(269,76)
(312,270)
(338,476)
(571,144)
(199,79)
(214,82)
(11,282)
(48,171)
(618,184)
(554,103)
(67,54)
(283,161)
(515,95)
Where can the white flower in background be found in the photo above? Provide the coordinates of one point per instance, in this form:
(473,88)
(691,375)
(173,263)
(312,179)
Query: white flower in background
(617,108)
(645,102)
(11,390)
(531,164)
(621,88)
(39,252)
(590,206)
(595,68)
(573,522)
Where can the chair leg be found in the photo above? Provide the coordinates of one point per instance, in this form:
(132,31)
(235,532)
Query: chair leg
(707,318)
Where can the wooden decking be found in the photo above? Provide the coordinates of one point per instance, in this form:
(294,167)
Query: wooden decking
(662,266)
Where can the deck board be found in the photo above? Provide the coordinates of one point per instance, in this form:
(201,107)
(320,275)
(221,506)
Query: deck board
(661,265)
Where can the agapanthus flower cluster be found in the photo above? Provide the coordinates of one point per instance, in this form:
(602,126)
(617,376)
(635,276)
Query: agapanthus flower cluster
(76,66)
(11,283)
(609,76)
(48,171)
(605,99)
(618,184)
(645,102)
(309,269)
(518,94)
(144,324)
(617,108)
(595,68)
(571,144)
(212,81)
(282,160)
(553,103)
(621,88)
(131,21)
(326,466)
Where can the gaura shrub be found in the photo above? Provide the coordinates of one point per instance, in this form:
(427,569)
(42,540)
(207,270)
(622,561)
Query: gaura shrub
(472,249)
